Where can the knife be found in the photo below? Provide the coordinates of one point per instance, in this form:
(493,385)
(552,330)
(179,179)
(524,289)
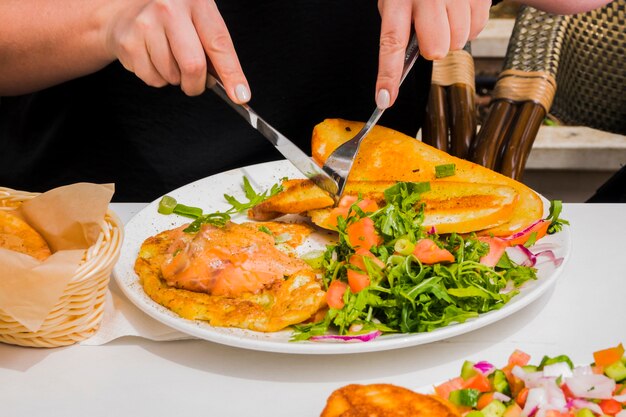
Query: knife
(287,148)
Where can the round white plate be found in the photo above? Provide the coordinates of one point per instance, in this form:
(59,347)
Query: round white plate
(208,194)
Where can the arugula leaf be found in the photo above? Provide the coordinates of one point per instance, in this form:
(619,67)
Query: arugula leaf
(556,223)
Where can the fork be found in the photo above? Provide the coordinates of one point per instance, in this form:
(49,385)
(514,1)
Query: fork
(339,163)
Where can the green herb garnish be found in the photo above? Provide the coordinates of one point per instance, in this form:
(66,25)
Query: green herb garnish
(169,205)
(556,223)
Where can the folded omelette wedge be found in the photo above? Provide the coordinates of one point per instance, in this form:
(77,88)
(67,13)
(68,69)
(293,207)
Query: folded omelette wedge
(474,198)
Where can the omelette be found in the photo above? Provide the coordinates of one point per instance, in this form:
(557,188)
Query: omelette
(385,400)
(232,276)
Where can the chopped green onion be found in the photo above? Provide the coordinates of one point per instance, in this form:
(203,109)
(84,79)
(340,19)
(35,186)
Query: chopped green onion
(404,246)
(167,205)
(315,258)
(282,238)
(264,229)
(445,170)
(188,211)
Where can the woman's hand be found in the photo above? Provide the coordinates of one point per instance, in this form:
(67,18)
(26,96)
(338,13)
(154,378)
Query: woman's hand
(168,42)
(440,26)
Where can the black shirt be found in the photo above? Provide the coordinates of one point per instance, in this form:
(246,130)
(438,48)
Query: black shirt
(305,60)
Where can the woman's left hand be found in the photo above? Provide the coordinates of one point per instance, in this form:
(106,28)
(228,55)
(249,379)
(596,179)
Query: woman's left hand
(440,26)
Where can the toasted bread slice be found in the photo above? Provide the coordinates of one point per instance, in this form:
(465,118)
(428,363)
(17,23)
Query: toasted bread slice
(384,400)
(388,155)
(448,206)
(298,196)
(19,236)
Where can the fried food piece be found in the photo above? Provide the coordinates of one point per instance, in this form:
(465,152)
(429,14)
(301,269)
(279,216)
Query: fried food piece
(384,400)
(388,155)
(19,236)
(297,197)
(230,277)
(448,206)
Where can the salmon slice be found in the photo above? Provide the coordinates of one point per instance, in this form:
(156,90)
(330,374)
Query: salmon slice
(229,260)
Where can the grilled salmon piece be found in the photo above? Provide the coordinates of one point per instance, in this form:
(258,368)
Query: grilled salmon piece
(384,400)
(388,155)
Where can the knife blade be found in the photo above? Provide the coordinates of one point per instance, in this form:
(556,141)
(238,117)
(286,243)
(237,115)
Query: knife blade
(305,164)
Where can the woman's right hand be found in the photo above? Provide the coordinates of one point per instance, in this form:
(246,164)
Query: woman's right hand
(176,42)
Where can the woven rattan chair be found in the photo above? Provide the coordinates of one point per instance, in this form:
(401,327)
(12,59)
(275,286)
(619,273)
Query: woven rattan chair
(450,122)
(584,55)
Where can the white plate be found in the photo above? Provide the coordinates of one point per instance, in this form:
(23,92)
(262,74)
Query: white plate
(208,194)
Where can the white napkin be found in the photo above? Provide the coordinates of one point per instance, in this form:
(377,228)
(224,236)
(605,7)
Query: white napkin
(122,318)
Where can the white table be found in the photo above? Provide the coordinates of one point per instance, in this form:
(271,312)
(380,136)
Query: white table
(584,312)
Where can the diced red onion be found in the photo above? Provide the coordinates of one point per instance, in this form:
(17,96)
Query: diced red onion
(531,379)
(531,412)
(521,255)
(364,337)
(521,233)
(591,386)
(484,367)
(551,256)
(579,403)
(557,369)
(536,398)
(621,398)
(432,230)
(582,370)
(501,397)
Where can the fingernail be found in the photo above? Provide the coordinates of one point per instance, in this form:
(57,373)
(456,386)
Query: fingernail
(382,99)
(242,93)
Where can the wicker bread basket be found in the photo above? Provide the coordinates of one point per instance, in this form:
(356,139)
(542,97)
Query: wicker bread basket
(78,313)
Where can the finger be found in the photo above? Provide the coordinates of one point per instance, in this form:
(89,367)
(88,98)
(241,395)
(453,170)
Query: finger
(394,37)
(220,49)
(432,29)
(133,55)
(162,57)
(459,15)
(186,48)
(480,17)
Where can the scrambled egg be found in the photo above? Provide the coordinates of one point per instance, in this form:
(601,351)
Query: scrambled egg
(232,276)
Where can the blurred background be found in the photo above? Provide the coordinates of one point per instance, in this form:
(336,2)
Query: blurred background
(567,162)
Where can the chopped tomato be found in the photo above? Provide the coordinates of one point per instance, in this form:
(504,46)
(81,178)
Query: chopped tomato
(567,392)
(540,229)
(521,397)
(496,249)
(334,295)
(519,358)
(478,382)
(357,259)
(429,253)
(515,384)
(362,234)
(343,208)
(610,406)
(484,400)
(357,281)
(608,356)
(446,388)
